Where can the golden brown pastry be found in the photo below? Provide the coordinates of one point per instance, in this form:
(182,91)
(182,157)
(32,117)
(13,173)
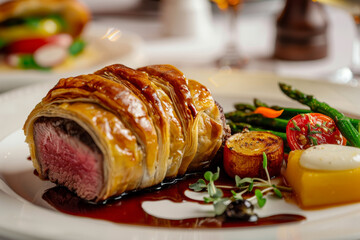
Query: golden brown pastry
(121,129)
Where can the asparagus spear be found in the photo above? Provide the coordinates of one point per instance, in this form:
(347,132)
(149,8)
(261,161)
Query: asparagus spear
(258,103)
(257,119)
(239,127)
(244,107)
(288,113)
(341,121)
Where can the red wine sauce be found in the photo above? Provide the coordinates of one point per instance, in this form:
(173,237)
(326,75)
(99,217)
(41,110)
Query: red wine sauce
(128,210)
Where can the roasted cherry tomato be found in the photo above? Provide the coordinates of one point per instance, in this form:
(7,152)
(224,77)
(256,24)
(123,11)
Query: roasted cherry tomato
(306,130)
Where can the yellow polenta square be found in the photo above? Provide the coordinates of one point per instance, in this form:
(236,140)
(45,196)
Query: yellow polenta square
(314,188)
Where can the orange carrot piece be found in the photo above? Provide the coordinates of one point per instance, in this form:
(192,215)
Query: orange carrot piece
(268,112)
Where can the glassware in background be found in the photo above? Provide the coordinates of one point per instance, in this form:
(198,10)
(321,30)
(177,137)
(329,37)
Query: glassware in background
(301,31)
(232,56)
(186,18)
(351,74)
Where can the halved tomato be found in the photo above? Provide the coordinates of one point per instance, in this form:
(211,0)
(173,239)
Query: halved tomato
(306,130)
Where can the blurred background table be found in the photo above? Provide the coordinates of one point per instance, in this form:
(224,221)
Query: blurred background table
(256,37)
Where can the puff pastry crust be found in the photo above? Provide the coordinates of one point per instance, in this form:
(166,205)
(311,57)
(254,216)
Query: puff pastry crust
(149,124)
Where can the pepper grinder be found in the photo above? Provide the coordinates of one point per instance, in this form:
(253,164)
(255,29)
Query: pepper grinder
(301,31)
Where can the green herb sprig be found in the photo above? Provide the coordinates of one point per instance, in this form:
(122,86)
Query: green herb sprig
(215,193)
(242,186)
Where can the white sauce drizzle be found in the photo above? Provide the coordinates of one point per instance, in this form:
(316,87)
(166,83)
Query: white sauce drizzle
(330,157)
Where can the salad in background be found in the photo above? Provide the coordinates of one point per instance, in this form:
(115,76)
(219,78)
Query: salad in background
(41,34)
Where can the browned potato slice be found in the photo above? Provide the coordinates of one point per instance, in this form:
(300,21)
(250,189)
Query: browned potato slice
(243,154)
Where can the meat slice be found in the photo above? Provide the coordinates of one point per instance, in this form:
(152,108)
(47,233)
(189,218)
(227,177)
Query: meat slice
(68,156)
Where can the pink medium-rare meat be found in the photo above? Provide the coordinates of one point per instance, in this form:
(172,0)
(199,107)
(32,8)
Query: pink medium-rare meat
(68,156)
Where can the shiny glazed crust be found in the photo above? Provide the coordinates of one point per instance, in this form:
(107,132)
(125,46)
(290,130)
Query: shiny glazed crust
(75,14)
(161,124)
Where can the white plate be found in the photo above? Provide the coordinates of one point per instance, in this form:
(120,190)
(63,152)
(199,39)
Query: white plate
(25,215)
(118,47)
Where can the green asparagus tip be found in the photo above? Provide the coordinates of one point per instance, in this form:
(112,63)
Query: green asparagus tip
(285,87)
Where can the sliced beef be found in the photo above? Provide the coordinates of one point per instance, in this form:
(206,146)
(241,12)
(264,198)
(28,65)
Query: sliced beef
(227,133)
(69,156)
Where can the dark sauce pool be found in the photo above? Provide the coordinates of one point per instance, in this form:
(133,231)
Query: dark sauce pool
(126,209)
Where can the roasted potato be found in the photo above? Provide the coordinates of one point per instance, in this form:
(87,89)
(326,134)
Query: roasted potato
(243,154)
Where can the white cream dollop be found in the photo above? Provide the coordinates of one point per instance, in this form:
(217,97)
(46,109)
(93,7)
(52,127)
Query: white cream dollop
(330,157)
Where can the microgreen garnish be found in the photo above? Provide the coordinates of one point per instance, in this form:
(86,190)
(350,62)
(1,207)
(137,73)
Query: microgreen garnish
(251,185)
(241,181)
(242,186)
(264,160)
(277,191)
(265,167)
(198,186)
(215,194)
(237,195)
(260,198)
